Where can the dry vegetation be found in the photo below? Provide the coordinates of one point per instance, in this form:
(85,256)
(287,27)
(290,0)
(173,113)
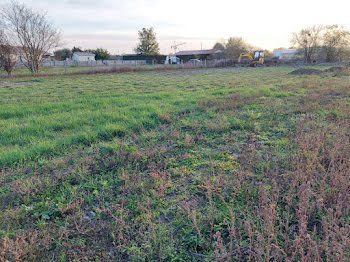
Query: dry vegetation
(248,165)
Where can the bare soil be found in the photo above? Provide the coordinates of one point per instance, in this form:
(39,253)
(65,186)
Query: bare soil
(306,71)
(5,84)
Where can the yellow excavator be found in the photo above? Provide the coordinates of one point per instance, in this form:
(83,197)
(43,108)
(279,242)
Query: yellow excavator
(257,59)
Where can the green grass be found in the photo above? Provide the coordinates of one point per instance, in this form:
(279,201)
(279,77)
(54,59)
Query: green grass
(166,166)
(47,71)
(50,116)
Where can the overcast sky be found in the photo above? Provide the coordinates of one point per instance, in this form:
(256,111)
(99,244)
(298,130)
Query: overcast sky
(113,24)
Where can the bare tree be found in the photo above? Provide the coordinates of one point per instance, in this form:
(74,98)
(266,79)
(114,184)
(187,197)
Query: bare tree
(335,39)
(308,39)
(236,46)
(8,58)
(31,32)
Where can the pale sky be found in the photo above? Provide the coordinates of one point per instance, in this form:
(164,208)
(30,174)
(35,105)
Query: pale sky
(113,24)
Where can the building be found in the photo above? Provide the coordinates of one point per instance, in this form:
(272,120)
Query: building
(172,60)
(83,57)
(143,59)
(196,54)
(287,54)
(18,55)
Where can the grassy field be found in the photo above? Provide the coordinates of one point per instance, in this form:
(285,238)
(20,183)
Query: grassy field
(196,165)
(46,71)
(79,70)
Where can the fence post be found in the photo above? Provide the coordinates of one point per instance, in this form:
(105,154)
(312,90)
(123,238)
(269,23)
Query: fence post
(65,67)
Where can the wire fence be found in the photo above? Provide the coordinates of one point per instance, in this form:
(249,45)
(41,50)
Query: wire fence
(100,67)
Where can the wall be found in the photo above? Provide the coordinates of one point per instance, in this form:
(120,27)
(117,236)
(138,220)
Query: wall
(83,58)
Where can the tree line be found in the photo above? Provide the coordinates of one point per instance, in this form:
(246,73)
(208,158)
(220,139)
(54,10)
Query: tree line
(326,43)
(66,53)
(233,47)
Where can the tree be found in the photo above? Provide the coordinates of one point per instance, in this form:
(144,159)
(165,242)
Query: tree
(31,32)
(308,39)
(63,54)
(76,49)
(268,53)
(101,54)
(220,50)
(220,46)
(335,39)
(8,57)
(148,42)
(233,47)
(236,46)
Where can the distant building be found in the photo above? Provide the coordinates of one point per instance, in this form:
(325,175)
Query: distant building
(172,60)
(83,57)
(287,54)
(196,54)
(18,54)
(147,59)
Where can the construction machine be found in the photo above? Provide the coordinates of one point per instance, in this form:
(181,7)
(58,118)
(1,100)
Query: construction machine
(257,59)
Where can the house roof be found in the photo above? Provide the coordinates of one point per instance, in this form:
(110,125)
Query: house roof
(197,52)
(84,54)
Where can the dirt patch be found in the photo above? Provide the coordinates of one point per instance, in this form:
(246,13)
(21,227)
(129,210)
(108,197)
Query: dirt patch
(5,84)
(306,71)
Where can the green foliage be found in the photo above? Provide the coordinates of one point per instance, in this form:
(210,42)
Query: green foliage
(76,49)
(148,42)
(63,54)
(100,53)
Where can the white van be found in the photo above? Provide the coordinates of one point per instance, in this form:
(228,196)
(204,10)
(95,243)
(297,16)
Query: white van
(172,60)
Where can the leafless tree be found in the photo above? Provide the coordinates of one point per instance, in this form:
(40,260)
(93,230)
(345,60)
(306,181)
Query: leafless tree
(335,39)
(8,58)
(31,32)
(308,39)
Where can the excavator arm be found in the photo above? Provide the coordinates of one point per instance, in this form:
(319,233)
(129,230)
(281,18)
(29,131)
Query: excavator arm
(258,58)
(245,55)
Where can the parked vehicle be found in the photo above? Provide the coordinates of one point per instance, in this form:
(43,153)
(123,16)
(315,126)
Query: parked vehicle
(172,60)
(194,61)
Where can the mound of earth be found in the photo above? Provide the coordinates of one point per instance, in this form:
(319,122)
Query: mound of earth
(306,71)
